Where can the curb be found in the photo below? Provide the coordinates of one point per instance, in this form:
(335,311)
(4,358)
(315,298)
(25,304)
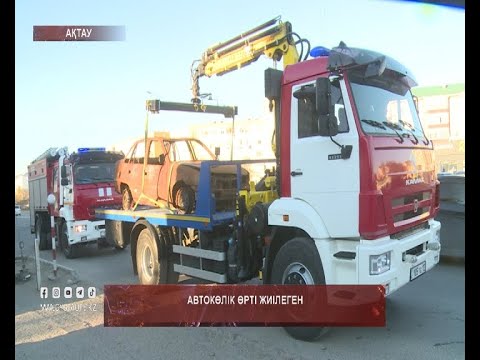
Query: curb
(72,272)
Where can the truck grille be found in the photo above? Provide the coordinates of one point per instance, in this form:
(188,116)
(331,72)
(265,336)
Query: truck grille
(411,207)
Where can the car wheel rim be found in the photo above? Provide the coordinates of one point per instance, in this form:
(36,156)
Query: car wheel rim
(147,262)
(297,274)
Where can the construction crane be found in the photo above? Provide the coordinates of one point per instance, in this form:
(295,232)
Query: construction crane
(274,39)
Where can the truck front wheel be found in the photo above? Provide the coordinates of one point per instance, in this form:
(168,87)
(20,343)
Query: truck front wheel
(298,263)
(69,250)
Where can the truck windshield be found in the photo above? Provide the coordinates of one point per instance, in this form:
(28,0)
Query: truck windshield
(94,173)
(385,107)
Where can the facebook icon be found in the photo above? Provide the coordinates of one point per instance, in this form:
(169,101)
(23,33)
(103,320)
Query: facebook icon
(43,292)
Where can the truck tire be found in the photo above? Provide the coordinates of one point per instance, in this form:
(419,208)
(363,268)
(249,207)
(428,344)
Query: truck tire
(127,199)
(298,262)
(70,251)
(151,270)
(41,234)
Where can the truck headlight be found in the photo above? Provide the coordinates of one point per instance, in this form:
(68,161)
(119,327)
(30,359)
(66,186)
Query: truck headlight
(80,228)
(379,263)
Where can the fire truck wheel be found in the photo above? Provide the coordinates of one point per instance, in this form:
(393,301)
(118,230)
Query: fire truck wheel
(41,234)
(149,266)
(70,251)
(298,263)
(127,200)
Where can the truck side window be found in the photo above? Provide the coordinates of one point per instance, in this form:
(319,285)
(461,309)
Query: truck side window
(307,120)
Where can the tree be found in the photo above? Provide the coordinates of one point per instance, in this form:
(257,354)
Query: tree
(21,195)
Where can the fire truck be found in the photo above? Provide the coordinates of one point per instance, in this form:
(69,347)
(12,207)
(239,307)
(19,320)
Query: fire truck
(351,197)
(81,182)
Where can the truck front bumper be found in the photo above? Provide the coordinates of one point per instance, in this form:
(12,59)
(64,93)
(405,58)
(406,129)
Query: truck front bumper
(410,257)
(85,231)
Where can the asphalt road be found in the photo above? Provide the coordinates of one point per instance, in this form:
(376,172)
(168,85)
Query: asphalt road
(425,320)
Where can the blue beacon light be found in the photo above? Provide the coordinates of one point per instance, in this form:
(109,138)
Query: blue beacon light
(85,150)
(319,51)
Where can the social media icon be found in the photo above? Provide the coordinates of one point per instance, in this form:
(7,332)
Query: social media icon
(56,292)
(92,292)
(44,292)
(79,292)
(67,292)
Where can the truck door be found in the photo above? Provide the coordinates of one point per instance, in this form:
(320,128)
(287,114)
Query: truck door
(318,175)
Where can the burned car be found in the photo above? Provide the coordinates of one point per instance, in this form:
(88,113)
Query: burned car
(172,173)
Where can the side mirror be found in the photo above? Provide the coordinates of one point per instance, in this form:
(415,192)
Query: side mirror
(323,91)
(64,181)
(328,125)
(63,172)
(327,122)
(161,159)
(217,152)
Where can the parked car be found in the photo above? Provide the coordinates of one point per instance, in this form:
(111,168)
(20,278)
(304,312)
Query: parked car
(172,174)
(18,211)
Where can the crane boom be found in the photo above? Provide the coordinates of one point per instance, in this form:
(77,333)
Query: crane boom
(273,39)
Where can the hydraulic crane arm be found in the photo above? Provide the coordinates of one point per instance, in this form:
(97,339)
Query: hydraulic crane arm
(273,39)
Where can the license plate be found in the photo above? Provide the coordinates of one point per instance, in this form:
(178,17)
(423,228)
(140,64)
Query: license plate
(102,233)
(418,270)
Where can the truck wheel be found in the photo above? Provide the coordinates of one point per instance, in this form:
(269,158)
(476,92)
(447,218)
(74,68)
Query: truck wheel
(127,200)
(298,262)
(150,268)
(41,234)
(183,197)
(70,251)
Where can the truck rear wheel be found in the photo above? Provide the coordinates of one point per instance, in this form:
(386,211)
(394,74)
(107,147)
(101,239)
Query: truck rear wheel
(69,250)
(298,263)
(153,267)
(127,199)
(150,268)
(41,234)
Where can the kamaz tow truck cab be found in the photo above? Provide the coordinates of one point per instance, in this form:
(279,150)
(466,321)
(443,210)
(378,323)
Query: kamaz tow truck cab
(354,157)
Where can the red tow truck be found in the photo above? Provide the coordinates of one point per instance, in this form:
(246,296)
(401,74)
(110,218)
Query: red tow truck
(353,195)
